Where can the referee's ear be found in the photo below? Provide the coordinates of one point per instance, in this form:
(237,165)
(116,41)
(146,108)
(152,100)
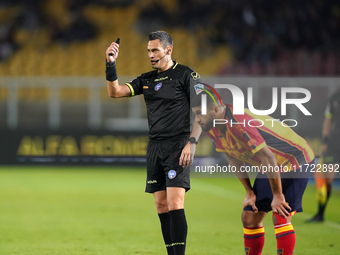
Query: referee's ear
(168,50)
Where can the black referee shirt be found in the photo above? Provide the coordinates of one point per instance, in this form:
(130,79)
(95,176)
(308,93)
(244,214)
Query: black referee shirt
(167,98)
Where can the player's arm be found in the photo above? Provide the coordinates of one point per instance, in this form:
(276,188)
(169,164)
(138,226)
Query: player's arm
(113,88)
(268,160)
(250,198)
(326,130)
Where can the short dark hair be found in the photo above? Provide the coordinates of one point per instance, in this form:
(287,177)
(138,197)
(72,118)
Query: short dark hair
(164,38)
(197,100)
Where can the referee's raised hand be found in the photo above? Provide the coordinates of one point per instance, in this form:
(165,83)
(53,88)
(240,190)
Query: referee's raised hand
(112,52)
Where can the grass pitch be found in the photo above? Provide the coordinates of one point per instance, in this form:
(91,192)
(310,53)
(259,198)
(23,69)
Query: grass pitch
(102,210)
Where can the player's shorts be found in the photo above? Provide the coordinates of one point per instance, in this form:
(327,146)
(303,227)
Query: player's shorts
(163,169)
(292,188)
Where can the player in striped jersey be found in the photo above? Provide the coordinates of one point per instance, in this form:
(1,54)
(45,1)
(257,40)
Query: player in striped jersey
(260,141)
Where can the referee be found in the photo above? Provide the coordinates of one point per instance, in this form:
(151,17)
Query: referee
(171,147)
(330,155)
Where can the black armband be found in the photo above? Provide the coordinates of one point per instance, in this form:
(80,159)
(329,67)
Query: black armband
(111,71)
(324,139)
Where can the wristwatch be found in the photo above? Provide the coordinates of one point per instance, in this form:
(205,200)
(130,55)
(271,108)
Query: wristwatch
(193,140)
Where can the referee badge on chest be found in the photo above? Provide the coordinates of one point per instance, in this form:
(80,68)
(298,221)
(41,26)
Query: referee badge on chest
(158,86)
(172,174)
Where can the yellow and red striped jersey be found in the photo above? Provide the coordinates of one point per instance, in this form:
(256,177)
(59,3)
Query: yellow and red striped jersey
(248,133)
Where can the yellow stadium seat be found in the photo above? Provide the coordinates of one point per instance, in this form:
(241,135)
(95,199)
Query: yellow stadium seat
(44,57)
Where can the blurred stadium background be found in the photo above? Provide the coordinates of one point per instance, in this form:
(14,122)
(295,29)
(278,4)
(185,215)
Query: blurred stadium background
(54,107)
(52,84)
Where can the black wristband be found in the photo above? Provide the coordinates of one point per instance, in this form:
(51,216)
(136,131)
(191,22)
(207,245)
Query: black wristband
(111,71)
(324,139)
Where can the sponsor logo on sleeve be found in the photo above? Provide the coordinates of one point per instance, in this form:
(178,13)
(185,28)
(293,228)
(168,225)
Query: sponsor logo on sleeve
(195,75)
(198,88)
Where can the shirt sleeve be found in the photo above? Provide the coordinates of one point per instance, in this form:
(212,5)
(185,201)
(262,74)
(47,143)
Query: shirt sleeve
(192,78)
(135,86)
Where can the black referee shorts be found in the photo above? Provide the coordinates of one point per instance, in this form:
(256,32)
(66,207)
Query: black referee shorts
(163,169)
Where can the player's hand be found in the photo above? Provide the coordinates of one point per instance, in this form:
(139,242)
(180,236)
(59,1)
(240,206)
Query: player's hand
(250,199)
(280,206)
(113,49)
(187,155)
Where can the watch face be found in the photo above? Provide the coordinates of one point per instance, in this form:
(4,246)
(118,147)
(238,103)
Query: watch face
(192,140)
